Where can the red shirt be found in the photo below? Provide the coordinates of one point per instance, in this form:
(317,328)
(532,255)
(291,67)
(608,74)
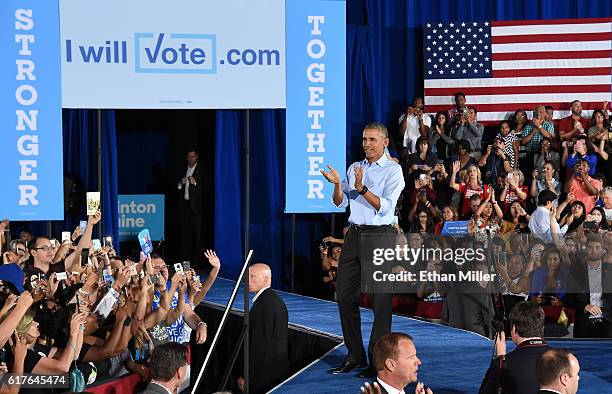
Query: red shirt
(567,124)
(466,192)
(512,196)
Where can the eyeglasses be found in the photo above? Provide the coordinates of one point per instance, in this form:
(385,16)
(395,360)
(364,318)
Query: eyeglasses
(45,248)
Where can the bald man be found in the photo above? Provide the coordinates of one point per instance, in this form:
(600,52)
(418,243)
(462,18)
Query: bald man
(268,331)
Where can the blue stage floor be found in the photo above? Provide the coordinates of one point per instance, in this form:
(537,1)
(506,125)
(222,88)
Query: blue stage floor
(454,361)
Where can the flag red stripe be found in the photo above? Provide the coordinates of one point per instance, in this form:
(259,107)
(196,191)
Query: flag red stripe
(551,22)
(552,55)
(550,72)
(513,106)
(520,90)
(551,38)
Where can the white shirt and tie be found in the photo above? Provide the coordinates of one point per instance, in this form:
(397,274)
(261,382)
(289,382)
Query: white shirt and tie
(189,173)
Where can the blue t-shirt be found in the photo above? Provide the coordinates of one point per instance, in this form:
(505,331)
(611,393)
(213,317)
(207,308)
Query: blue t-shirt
(176,330)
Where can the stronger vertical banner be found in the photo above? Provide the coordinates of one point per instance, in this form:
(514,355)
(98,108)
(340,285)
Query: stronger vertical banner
(30,111)
(316,102)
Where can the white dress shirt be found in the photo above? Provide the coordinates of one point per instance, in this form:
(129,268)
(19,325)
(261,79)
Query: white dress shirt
(390,389)
(539,224)
(189,173)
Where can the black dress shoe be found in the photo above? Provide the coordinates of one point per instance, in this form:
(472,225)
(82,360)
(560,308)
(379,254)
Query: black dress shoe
(346,366)
(367,373)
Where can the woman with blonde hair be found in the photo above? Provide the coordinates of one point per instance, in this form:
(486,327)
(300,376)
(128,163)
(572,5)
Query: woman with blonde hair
(473,185)
(43,359)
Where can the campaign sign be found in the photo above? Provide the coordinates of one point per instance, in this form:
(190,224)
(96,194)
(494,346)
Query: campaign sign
(145,242)
(455,228)
(316,102)
(140,211)
(163,54)
(31,111)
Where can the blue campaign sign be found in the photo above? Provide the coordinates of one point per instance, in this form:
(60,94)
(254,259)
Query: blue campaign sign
(31,111)
(316,101)
(455,228)
(144,238)
(138,212)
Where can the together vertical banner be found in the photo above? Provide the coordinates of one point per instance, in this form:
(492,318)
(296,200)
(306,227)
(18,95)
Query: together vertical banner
(31,111)
(316,101)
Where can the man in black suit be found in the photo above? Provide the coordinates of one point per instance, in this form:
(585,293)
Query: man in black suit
(397,365)
(588,292)
(557,372)
(515,372)
(168,368)
(190,208)
(469,305)
(268,332)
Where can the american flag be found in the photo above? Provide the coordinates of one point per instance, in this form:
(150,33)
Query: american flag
(502,66)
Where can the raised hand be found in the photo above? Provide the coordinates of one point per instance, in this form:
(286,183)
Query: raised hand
(456,166)
(332,175)
(212,257)
(95,218)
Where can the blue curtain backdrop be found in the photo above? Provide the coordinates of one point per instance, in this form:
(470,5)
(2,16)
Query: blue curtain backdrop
(81,163)
(384,72)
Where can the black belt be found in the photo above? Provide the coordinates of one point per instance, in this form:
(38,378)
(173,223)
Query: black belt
(366,227)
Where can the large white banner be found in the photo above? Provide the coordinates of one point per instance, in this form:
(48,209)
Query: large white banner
(173,54)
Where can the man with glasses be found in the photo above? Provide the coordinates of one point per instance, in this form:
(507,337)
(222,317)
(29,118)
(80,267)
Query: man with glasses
(42,253)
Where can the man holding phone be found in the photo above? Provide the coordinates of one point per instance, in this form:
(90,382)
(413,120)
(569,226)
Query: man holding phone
(169,289)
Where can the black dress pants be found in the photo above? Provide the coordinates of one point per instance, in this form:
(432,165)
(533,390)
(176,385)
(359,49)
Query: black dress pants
(348,293)
(191,232)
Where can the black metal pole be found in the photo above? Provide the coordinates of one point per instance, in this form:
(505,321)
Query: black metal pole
(247,183)
(293,252)
(245,328)
(247,235)
(99,146)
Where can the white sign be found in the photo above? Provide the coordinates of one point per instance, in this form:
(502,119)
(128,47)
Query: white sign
(163,54)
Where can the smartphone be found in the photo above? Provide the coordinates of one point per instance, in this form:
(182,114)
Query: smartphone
(153,279)
(133,271)
(186,265)
(108,278)
(108,241)
(96,245)
(61,276)
(83,225)
(65,236)
(178,267)
(441,162)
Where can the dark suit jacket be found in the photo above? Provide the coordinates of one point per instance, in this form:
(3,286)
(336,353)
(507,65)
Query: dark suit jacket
(269,348)
(195,191)
(382,389)
(153,388)
(578,291)
(517,371)
(544,391)
(470,307)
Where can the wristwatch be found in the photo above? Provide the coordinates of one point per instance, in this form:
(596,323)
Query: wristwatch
(364,190)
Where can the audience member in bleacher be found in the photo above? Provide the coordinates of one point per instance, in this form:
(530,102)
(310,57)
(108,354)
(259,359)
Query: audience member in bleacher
(589,287)
(515,372)
(414,123)
(397,365)
(558,372)
(471,130)
(574,125)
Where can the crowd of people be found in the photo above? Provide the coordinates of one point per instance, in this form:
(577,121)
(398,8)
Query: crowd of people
(539,186)
(76,307)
